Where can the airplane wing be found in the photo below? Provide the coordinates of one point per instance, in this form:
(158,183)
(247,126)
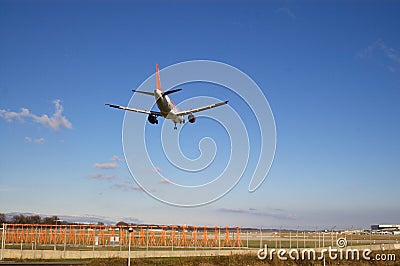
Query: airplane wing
(195,110)
(135,110)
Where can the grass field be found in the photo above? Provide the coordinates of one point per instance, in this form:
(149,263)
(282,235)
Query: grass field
(234,260)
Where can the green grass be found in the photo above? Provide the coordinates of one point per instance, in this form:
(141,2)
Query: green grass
(233,260)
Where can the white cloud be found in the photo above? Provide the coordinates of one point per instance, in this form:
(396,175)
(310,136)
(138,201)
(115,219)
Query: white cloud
(379,51)
(10,116)
(390,52)
(127,186)
(116,158)
(273,213)
(137,188)
(40,141)
(109,165)
(156,169)
(165,181)
(55,121)
(37,141)
(102,176)
(105,165)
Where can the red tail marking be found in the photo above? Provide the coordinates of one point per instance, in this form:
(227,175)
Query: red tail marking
(158,78)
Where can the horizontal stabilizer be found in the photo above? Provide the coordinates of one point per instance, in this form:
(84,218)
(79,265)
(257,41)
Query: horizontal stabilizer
(144,92)
(171,91)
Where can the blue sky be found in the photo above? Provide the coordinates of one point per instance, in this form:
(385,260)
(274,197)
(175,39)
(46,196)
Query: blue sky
(331,74)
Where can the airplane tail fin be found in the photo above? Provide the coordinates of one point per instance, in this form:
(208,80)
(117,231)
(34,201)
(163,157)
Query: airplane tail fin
(158,78)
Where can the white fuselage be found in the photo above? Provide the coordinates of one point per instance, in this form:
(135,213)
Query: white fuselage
(167,107)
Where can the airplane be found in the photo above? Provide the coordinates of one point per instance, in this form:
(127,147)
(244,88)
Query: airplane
(167,108)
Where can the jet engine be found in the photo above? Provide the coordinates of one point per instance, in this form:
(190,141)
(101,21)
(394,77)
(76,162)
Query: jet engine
(191,118)
(152,119)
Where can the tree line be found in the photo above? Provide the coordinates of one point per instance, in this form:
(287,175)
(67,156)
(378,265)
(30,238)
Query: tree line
(36,219)
(33,219)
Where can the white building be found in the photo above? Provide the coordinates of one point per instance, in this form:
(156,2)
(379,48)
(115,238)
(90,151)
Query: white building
(386,228)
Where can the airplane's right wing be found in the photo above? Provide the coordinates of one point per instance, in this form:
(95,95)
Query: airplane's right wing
(155,113)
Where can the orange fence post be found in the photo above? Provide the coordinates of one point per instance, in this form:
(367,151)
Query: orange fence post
(163,237)
(23,235)
(42,236)
(205,237)
(101,236)
(173,235)
(152,238)
(238,240)
(216,236)
(52,236)
(183,239)
(194,236)
(14,235)
(32,235)
(9,234)
(122,236)
(227,240)
(132,235)
(142,236)
(63,234)
(81,236)
(90,239)
(71,236)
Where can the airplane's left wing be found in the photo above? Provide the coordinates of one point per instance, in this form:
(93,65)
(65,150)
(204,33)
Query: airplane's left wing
(195,110)
(135,110)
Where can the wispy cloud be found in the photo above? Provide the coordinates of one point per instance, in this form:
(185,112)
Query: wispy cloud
(112,164)
(55,121)
(37,141)
(157,169)
(102,176)
(165,181)
(233,210)
(108,165)
(273,213)
(116,158)
(126,186)
(387,56)
(389,52)
(105,165)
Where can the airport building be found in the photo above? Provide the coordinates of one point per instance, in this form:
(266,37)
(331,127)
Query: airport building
(386,228)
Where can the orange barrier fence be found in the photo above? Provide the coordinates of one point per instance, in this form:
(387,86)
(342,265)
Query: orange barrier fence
(141,236)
